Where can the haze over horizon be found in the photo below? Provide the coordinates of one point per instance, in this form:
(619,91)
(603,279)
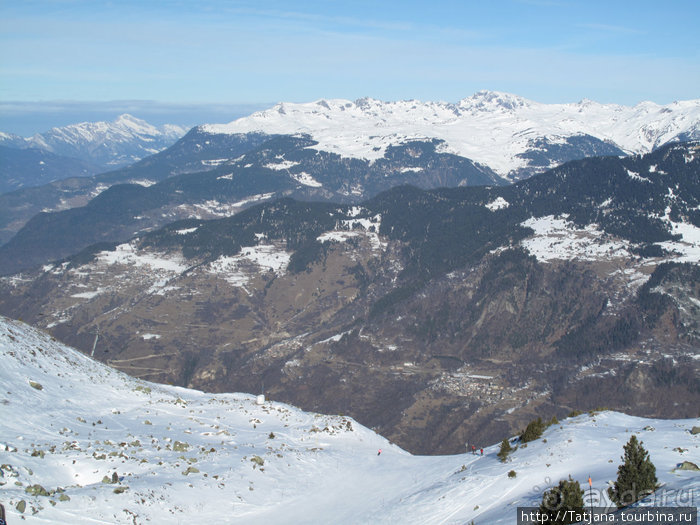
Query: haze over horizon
(213,61)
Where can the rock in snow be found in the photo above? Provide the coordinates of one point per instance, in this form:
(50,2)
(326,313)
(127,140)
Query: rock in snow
(83,443)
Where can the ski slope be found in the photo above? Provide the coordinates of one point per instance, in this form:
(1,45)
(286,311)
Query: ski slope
(183,456)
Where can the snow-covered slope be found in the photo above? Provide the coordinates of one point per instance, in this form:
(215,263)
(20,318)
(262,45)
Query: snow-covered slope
(11,140)
(181,456)
(492,128)
(108,144)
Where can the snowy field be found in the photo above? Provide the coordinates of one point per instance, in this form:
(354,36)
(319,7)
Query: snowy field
(239,269)
(182,456)
(555,238)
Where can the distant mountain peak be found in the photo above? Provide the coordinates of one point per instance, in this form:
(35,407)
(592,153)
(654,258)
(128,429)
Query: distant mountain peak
(122,141)
(125,125)
(126,119)
(489,100)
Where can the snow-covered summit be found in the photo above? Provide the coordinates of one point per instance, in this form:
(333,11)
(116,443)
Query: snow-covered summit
(492,101)
(11,140)
(491,128)
(110,144)
(83,443)
(125,127)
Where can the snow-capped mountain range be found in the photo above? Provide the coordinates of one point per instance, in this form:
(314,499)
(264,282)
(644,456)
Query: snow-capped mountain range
(502,131)
(83,443)
(108,145)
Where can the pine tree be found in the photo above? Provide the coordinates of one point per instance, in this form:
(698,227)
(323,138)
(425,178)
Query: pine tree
(567,496)
(533,430)
(636,477)
(505,450)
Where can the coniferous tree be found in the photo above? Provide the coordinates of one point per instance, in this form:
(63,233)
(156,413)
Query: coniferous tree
(505,450)
(567,496)
(533,430)
(636,476)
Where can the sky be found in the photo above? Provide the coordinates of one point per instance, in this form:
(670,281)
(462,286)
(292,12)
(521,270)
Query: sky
(189,62)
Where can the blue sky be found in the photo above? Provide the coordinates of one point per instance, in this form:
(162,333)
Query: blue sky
(221,58)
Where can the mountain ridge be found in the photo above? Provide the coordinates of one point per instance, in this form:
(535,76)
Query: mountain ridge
(505,137)
(23,168)
(493,128)
(269,167)
(107,145)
